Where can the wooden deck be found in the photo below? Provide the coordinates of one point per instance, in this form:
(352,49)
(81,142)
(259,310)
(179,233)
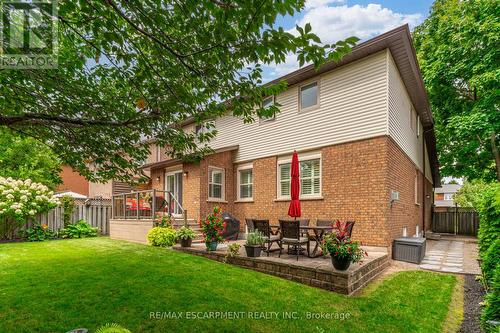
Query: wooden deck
(316,272)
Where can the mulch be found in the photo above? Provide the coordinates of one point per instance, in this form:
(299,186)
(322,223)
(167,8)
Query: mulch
(473,295)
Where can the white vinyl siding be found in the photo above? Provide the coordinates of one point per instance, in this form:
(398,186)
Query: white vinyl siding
(353,106)
(216,184)
(245,183)
(404,124)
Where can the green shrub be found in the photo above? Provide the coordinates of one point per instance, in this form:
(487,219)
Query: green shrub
(489,217)
(491,260)
(38,232)
(68,204)
(162,236)
(112,328)
(79,229)
(185,233)
(255,238)
(491,310)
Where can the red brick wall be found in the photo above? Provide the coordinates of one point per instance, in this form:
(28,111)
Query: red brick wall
(357,178)
(73,181)
(353,176)
(401,177)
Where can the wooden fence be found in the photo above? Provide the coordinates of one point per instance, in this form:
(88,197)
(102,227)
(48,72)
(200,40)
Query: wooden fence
(457,221)
(97,214)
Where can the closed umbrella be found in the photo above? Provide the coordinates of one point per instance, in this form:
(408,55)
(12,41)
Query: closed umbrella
(294,209)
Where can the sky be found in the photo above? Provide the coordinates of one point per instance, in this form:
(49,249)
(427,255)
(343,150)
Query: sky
(333,20)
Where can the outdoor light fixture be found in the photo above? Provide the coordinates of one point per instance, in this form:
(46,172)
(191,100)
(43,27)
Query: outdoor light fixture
(158,179)
(185,173)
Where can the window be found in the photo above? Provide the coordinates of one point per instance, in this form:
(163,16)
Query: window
(216,184)
(416,187)
(310,178)
(309,95)
(245,183)
(266,103)
(448,196)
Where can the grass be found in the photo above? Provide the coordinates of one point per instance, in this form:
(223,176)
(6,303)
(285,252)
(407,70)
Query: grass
(56,286)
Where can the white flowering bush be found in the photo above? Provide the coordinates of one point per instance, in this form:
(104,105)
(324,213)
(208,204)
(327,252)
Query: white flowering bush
(22,199)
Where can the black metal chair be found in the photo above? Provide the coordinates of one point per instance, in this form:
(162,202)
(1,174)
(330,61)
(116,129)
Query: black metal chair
(349,226)
(324,223)
(304,223)
(269,237)
(290,235)
(250,225)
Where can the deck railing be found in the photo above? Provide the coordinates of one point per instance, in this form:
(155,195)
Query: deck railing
(146,205)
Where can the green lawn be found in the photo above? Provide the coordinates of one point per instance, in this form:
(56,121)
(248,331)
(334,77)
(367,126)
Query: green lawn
(55,286)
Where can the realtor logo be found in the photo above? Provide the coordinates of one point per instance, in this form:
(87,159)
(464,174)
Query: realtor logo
(28,34)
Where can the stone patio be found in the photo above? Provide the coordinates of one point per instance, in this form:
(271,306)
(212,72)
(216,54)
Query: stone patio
(316,272)
(451,256)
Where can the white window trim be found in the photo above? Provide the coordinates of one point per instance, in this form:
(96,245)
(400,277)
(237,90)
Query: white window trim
(223,185)
(302,157)
(265,120)
(241,168)
(313,107)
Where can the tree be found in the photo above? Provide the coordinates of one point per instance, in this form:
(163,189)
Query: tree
(130,71)
(457,48)
(26,158)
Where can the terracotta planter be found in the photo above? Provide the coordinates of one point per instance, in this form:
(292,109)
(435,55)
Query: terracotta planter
(186,242)
(211,246)
(253,250)
(341,263)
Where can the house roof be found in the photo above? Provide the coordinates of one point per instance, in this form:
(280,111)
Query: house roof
(399,43)
(174,161)
(448,188)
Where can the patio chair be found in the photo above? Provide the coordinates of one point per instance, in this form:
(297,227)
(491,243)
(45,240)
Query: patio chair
(350,226)
(290,235)
(269,237)
(324,223)
(250,226)
(304,223)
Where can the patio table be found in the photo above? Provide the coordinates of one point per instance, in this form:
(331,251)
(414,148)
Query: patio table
(318,235)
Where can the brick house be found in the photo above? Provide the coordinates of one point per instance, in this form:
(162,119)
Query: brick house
(363,130)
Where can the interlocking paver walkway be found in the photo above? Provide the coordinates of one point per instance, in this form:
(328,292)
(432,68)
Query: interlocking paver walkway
(445,256)
(452,256)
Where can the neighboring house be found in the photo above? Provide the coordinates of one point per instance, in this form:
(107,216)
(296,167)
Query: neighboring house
(76,183)
(443,196)
(73,182)
(363,130)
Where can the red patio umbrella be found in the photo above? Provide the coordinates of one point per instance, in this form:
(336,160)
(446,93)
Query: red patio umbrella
(294,209)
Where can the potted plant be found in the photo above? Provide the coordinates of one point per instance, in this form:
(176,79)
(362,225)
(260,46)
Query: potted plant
(185,235)
(342,249)
(212,229)
(253,246)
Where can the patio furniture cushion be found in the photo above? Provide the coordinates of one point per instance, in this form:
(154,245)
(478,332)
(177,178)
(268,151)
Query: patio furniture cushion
(294,240)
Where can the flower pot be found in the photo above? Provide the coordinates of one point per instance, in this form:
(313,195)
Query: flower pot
(253,250)
(186,242)
(211,246)
(341,263)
